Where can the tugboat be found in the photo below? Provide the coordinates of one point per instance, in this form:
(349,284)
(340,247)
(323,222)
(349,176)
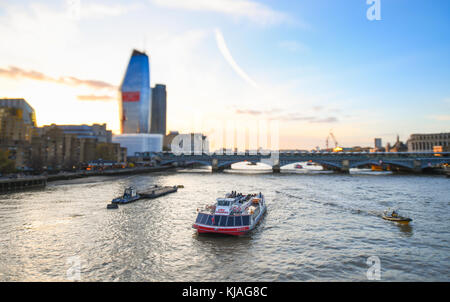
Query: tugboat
(129,195)
(236,214)
(393,216)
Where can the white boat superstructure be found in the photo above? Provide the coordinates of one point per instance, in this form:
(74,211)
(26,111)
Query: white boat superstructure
(235,214)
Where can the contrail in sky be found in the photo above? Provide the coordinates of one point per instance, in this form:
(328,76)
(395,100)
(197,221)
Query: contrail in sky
(229,58)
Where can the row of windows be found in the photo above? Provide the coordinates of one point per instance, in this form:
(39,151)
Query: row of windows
(428,145)
(222,220)
(427,137)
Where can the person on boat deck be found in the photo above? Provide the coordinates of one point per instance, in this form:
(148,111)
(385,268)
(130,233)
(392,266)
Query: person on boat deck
(394,214)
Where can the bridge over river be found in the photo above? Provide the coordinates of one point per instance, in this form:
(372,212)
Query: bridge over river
(339,161)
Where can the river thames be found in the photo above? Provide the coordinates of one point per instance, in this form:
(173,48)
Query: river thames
(318,227)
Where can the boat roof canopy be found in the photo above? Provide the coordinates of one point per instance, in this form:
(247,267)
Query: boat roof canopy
(226,199)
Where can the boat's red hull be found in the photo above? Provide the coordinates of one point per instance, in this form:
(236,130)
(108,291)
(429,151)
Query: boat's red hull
(217,230)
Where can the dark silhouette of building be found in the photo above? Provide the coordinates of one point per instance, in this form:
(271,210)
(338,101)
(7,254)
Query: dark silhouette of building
(397,147)
(159,109)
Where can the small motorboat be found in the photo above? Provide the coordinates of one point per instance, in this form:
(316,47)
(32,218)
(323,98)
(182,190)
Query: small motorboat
(112,206)
(393,216)
(129,195)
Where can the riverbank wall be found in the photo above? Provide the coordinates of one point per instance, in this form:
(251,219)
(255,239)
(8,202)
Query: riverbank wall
(9,185)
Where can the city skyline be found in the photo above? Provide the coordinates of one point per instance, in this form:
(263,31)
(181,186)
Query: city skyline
(289,61)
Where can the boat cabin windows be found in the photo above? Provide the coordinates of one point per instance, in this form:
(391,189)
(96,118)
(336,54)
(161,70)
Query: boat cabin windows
(199,218)
(204,219)
(223,220)
(216,220)
(223,203)
(230,221)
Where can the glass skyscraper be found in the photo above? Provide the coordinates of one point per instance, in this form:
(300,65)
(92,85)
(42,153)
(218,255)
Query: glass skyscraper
(159,107)
(135,105)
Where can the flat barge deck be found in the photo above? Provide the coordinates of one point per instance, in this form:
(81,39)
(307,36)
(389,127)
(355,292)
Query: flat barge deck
(157,192)
(130,195)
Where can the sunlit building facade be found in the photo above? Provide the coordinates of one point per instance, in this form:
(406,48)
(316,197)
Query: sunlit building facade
(17,120)
(135,105)
(427,142)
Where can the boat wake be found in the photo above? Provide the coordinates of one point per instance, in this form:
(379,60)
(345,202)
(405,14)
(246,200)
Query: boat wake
(335,205)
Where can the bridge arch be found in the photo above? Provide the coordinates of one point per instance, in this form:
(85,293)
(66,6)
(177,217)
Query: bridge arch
(408,165)
(329,163)
(357,164)
(284,163)
(205,163)
(227,163)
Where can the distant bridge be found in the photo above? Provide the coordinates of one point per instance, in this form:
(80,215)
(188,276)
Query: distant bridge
(339,161)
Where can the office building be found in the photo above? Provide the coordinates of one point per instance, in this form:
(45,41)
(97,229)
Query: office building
(95,131)
(427,142)
(378,143)
(17,119)
(159,109)
(135,106)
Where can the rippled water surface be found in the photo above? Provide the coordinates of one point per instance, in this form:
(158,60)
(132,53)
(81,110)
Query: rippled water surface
(318,227)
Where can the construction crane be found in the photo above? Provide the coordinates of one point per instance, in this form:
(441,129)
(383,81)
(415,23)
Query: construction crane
(336,145)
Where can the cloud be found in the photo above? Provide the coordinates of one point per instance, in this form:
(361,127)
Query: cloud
(251,10)
(287,117)
(318,108)
(443,117)
(93,97)
(310,119)
(249,112)
(326,120)
(229,58)
(18,73)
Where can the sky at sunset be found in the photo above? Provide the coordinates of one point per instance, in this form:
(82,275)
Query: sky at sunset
(311,65)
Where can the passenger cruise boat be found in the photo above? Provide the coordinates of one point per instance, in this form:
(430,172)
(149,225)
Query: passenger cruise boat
(236,214)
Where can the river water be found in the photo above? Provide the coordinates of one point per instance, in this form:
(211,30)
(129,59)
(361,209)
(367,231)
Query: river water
(319,227)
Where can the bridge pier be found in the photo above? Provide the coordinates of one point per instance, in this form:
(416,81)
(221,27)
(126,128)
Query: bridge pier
(215,165)
(345,167)
(417,167)
(276,169)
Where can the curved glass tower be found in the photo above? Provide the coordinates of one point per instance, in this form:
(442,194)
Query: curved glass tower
(135,105)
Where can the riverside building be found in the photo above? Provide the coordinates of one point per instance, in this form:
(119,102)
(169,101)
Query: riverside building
(427,142)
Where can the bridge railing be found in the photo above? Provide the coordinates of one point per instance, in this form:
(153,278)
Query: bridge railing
(316,154)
